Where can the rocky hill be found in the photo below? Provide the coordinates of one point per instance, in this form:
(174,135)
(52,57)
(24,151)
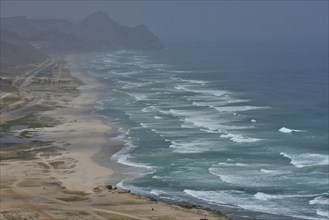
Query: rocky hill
(17,57)
(97,32)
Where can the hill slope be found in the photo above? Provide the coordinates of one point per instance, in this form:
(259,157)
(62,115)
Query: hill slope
(17,57)
(97,32)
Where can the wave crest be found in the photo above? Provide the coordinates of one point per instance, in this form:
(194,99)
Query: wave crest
(289,131)
(306,160)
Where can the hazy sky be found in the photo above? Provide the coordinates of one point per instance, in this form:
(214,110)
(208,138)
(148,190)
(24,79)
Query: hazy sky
(196,20)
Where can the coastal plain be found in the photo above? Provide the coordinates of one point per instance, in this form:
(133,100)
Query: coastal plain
(49,141)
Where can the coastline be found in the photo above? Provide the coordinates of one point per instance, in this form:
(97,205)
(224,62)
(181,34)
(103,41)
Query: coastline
(69,173)
(84,133)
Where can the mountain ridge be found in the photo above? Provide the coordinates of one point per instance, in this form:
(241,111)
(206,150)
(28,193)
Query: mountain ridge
(97,32)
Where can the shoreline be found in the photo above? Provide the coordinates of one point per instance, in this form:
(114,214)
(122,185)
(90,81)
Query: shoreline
(77,119)
(108,147)
(64,173)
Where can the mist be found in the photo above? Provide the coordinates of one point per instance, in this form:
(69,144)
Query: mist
(196,21)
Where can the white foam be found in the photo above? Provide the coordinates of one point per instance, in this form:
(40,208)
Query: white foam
(233,164)
(265,196)
(319,200)
(322,212)
(203,119)
(180,71)
(132,85)
(192,116)
(101,103)
(181,87)
(224,178)
(202,104)
(156,65)
(99,107)
(235,101)
(307,160)
(158,177)
(239,108)
(210,124)
(144,125)
(124,157)
(289,131)
(194,81)
(229,178)
(242,200)
(210,131)
(148,109)
(212,196)
(234,197)
(239,177)
(239,138)
(139,97)
(273,172)
(217,93)
(120,184)
(191,81)
(189,147)
(253,120)
(277,210)
(217,103)
(157,192)
(120,137)
(125,73)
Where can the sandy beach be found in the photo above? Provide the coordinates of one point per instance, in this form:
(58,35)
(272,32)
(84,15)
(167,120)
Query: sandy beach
(52,173)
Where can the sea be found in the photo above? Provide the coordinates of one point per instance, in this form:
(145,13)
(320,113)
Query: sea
(239,127)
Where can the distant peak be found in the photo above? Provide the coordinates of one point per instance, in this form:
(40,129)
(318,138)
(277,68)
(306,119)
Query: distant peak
(99,14)
(99,18)
(141,27)
(15,18)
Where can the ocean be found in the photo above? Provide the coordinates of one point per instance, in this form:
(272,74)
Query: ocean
(238,127)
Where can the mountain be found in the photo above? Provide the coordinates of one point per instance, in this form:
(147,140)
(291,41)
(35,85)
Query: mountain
(103,33)
(46,35)
(18,55)
(97,32)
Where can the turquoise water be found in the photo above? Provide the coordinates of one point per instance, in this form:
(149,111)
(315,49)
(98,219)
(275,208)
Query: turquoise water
(236,127)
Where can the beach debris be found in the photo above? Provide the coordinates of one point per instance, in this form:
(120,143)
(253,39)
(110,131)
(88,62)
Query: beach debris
(122,191)
(99,189)
(109,187)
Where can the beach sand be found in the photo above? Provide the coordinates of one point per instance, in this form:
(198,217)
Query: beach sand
(54,175)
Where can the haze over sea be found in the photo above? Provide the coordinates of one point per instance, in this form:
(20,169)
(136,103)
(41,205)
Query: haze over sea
(240,127)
